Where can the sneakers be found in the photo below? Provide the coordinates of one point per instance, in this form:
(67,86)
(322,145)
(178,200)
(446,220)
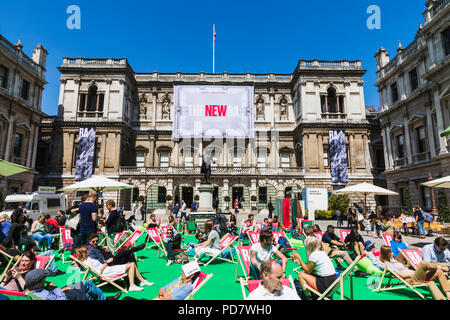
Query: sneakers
(146,283)
(169,262)
(135,288)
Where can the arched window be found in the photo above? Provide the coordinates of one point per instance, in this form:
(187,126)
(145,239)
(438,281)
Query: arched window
(331,102)
(92,98)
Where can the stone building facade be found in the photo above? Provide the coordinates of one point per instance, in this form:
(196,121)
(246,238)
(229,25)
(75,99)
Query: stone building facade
(414,89)
(22,81)
(132,113)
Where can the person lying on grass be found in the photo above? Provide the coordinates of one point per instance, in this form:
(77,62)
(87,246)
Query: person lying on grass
(181,287)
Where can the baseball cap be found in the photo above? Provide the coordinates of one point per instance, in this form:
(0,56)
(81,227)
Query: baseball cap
(35,276)
(368,245)
(190,268)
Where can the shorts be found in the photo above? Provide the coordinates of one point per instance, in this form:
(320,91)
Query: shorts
(323,283)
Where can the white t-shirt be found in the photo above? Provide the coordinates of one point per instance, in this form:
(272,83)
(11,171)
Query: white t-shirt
(261,293)
(322,264)
(263,254)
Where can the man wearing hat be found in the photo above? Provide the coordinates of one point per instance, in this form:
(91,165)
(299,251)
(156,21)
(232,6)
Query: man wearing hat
(369,246)
(85,290)
(180,288)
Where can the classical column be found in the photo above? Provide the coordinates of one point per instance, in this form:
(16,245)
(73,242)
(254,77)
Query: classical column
(320,155)
(407,142)
(440,123)
(117,151)
(9,137)
(31,135)
(272,107)
(367,152)
(338,105)
(106,101)
(326,104)
(155,96)
(176,153)
(350,153)
(225,153)
(430,135)
(101,161)
(36,135)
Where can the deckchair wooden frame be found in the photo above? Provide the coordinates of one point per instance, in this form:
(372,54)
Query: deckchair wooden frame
(338,283)
(217,256)
(245,283)
(199,286)
(95,275)
(26,294)
(62,244)
(10,259)
(387,272)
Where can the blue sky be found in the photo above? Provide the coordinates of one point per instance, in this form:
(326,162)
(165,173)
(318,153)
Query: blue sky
(257,36)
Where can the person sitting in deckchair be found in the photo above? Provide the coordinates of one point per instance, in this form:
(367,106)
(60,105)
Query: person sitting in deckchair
(103,254)
(152,222)
(370,248)
(15,277)
(173,241)
(437,251)
(355,241)
(54,271)
(111,271)
(262,251)
(211,245)
(181,287)
(247,227)
(425,271)
(319,272)
(272,287)
(85,290)
(10,248)
(397,244)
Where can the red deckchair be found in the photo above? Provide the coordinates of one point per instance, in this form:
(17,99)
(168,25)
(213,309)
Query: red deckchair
(413,256)
(343,233)
(66,242)
(244,261)
(253,284)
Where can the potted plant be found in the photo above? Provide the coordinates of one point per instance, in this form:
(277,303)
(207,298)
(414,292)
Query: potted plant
(227,199)
(169,202)
(253,199)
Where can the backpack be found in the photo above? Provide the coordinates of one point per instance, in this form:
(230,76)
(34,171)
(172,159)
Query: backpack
(428,217)
(121,223)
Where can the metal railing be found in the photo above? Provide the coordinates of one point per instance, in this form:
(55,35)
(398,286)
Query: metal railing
(218,170)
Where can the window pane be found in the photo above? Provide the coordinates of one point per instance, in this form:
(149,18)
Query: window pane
(17,144)
(237,160)
(161,194)
(262,192)
(140,158)
(285,160)
(261,161)
(164,162)
(25,89)
(3,77)
(188,161)
(326,161)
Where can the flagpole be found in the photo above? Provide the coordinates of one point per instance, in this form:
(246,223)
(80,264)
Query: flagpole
(214,44)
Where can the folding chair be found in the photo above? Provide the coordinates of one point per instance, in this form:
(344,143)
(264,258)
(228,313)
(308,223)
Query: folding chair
(305,223)
(319,235)
(387,238)
(16,295)
(226,242)
(91,274)
(338,283)
(163,247)
(130,242)
(343,234)
(387,272)
(119,239)
(277,235)
(253,236)
(42,262)
(198,283)
(9,261)
(190,226)
(413,256)
(65,242)
(253,284)
(156,238)
(243,253)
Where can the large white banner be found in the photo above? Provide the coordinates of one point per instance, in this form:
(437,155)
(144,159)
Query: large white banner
(213,112)
(316,199)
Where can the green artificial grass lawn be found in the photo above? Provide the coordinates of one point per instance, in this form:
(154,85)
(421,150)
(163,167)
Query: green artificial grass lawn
(222,285)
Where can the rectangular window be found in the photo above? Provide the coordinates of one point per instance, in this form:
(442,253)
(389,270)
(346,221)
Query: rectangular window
(3,76)
(262,161)
(394,92)
(52,203)
(413,79)
(262,194)
(164,160)
(161,195)
(285,160)
(400,149)
(18,140)
(140,159)
(213,159)
(446,41)
(326,157)
(25,89)
(188,161)
(237,160)
(420,135)
(426,198)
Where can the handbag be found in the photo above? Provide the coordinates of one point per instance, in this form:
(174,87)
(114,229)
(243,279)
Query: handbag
(73,221)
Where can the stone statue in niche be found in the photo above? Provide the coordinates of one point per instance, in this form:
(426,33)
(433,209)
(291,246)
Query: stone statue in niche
(143,106)
(260,109)
(165,110)
(283,109)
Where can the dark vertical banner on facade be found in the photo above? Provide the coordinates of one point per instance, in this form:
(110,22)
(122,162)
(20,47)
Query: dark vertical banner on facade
(85,153)
(338,157)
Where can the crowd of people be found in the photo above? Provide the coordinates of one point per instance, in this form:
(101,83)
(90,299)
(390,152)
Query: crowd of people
(25,239)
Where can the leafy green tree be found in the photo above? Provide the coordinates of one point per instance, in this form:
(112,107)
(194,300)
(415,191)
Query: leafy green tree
(407,202)
(339,201)
(444,211)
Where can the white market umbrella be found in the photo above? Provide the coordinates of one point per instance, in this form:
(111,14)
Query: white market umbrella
(366,189)
(438,183)
(97,184)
